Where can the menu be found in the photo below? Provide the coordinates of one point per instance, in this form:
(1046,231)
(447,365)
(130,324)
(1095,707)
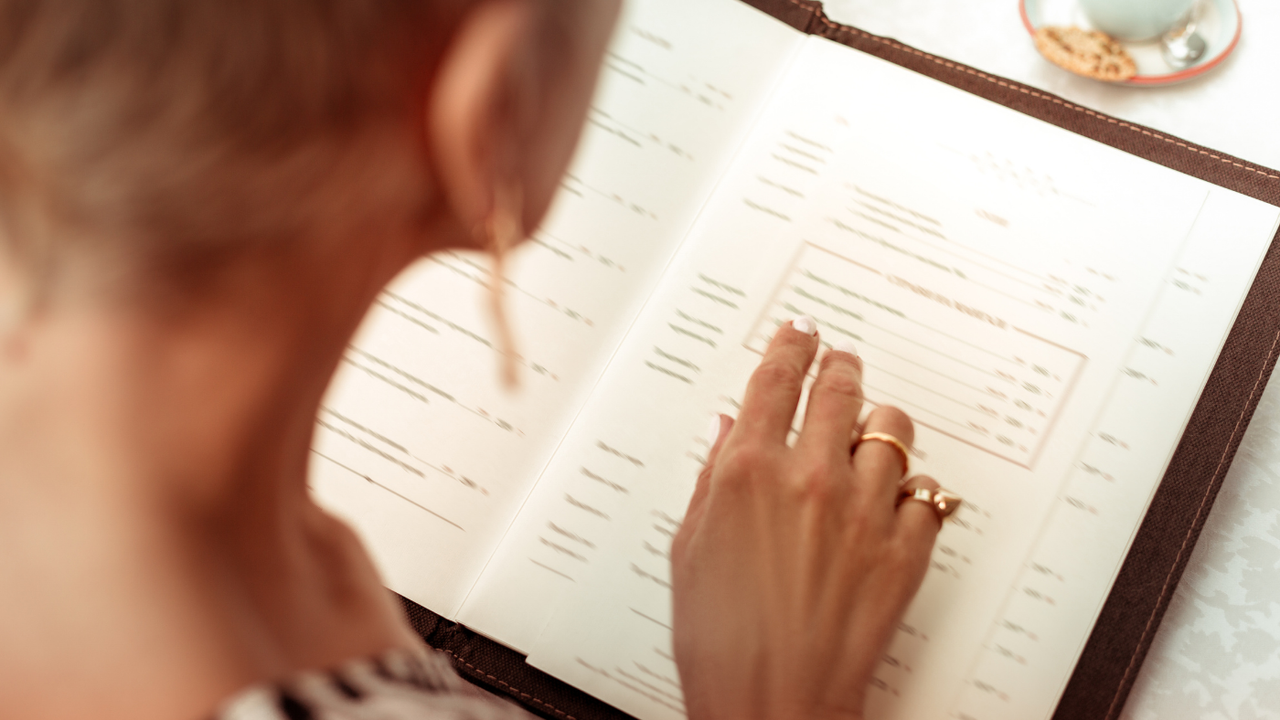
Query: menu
(1046,308)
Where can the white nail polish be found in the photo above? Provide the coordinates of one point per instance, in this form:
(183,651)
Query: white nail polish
(845,346)
(805,324)
(713,432)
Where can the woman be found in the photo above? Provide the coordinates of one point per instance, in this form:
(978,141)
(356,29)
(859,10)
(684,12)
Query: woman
(199,200)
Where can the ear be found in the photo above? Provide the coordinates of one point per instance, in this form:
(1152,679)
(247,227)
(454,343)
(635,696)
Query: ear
(474,106)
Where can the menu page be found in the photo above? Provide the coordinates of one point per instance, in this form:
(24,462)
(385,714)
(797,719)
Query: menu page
(1046,308)
(418,445)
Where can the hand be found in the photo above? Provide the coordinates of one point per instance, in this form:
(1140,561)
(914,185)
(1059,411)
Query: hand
(793,566)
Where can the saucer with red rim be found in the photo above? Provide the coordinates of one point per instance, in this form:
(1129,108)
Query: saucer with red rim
(1220,23)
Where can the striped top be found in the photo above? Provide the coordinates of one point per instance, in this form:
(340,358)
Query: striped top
(399,685)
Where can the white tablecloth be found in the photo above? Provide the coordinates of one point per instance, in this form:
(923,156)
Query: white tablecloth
(1217,653)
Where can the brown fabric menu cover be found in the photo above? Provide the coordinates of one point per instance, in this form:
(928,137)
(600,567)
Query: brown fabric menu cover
(1124,630)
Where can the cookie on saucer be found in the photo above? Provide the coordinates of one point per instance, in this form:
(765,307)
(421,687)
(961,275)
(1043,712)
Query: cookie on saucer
(1086,52)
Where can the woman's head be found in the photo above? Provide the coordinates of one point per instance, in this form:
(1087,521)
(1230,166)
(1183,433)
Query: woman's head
(159,139)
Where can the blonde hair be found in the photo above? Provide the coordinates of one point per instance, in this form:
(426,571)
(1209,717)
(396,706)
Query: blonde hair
(175,133)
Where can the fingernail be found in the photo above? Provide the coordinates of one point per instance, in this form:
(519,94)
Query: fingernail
(713,432)
(805,324)
(845,346)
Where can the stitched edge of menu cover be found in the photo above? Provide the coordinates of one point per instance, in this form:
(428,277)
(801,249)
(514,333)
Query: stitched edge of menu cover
(1124,630)
(504,672)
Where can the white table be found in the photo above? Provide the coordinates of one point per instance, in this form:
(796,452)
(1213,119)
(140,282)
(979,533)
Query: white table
(1217,653)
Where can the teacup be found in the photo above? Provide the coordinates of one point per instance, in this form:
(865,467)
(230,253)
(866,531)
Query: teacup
(1136,19)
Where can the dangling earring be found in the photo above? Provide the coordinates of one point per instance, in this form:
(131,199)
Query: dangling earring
(504,229)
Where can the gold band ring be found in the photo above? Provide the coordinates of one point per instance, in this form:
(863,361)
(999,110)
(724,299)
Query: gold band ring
(897,445)
(944,503)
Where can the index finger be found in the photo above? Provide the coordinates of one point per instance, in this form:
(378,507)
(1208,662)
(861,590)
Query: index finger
(769,405)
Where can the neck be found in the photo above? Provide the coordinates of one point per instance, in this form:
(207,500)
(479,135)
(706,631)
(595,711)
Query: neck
(153,479)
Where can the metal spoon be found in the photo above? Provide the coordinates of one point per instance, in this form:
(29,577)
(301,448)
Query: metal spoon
(1182,47)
